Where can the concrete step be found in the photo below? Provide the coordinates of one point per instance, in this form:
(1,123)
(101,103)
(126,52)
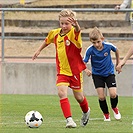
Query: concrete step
(46,3)
(69,2)
(9,3)
(40,32)
(36,29)
(54,16)
(25,48)
(55,23)
(106,35)
(62,6)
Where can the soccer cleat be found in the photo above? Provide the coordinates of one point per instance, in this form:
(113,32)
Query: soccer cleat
(107,117)
(117,114)
(70,123)
(85,118)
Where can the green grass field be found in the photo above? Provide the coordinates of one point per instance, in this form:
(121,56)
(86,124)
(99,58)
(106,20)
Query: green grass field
(14,107)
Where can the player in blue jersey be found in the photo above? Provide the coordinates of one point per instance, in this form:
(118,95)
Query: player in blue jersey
(103,71)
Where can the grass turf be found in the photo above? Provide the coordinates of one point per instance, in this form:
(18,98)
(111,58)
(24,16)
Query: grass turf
(14,107)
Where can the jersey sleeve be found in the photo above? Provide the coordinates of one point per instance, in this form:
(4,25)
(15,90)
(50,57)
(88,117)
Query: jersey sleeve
(87,55)
(75,38)
(50,37)
(113,48)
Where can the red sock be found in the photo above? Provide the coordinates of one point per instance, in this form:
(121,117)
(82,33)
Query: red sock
(84,105)
(65,106)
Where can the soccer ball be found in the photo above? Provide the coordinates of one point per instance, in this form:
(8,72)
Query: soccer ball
(33,119)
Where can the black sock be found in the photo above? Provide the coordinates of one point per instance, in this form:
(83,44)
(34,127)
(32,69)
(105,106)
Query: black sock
(114,102)
(103,106)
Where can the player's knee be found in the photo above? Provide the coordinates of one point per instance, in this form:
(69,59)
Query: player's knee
(79,99)
(62,94)
(102,98)
(113,95)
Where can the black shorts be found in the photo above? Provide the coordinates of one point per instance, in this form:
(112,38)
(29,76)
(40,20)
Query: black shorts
(100,81)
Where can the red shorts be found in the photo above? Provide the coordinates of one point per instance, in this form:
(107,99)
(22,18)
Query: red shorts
(74,82)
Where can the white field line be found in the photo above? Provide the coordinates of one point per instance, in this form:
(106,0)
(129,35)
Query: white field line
(20,122)
(14,123)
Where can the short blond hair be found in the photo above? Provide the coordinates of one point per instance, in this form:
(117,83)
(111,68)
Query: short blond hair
(67,13)
(95,34)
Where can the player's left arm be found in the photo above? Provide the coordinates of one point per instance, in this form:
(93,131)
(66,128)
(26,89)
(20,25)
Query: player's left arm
(117,55)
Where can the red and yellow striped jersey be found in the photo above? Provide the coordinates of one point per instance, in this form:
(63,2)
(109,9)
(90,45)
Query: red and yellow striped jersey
(68,51)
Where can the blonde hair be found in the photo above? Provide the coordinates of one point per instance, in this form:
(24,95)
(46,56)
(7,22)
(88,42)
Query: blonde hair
(95,34)
(67,13)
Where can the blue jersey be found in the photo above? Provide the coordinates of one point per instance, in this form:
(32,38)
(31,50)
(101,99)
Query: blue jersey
(101,61)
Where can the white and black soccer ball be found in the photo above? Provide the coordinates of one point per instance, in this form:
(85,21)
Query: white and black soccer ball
(33,119)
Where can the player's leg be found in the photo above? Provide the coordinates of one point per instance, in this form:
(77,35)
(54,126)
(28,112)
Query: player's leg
(65,106)
(76,85)
(114,102)
(111,83)
(103,104)
(64,102)
(81,99)
(99,83)
(62,86)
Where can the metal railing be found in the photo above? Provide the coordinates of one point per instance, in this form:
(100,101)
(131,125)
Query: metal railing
(3,10)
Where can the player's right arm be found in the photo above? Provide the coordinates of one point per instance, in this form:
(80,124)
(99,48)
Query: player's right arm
(127,56)
(48,40)
(39,50)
